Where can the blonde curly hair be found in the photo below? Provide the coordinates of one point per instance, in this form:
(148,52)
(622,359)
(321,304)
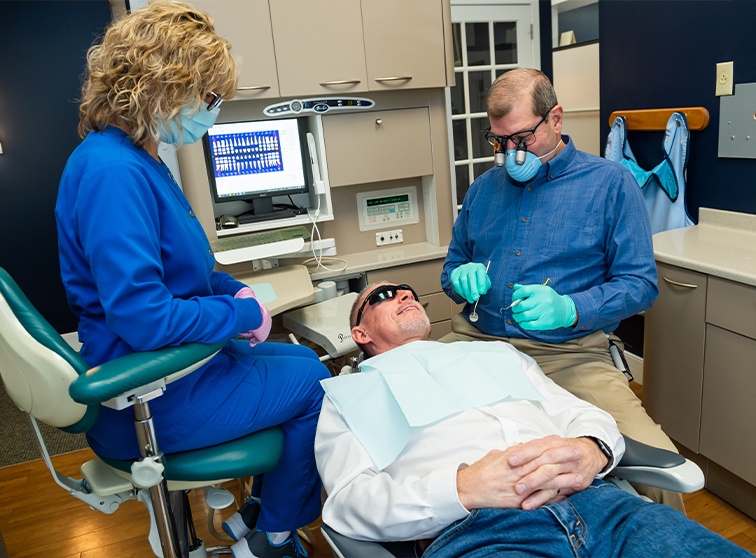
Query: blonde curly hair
(152,64)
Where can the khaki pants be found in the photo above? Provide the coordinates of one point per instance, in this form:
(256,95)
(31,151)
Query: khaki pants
(584,367)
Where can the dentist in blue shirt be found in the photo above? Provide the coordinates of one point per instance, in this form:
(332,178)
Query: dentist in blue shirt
(569,242)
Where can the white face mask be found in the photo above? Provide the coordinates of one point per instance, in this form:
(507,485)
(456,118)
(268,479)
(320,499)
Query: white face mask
(194,125)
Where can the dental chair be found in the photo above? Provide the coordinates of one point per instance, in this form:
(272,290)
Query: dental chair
(641,463)
(48,380)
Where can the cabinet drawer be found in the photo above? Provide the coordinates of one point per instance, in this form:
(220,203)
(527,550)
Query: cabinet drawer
(437,306)
(732,306)
(673,356)
(728,414)
(424,277)
(377,146)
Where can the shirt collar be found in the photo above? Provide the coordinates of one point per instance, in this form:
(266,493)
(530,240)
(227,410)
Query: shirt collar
(556,166)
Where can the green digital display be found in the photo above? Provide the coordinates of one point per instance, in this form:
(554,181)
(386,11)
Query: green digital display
(388,200)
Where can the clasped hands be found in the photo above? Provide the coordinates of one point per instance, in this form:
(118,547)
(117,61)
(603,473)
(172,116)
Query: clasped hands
(531,474)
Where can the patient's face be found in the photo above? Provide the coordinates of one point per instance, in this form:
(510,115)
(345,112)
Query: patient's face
(394,322)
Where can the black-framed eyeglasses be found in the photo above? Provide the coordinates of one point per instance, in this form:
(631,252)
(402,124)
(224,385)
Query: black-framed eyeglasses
(382,293)
(526,137)
(215,103)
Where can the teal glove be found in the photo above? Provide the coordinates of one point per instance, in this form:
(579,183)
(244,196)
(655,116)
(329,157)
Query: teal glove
(542,308)
(470,280)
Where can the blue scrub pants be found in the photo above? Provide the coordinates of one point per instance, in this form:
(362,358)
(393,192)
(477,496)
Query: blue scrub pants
(601,521)
(280,388)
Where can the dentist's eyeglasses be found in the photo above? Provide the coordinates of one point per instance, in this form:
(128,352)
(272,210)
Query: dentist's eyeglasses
(214,102)
(381,293)
(525,137)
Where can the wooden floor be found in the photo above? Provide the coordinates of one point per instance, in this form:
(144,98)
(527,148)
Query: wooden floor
(38,519)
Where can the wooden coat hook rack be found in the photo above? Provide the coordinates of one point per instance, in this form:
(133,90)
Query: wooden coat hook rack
(651,120)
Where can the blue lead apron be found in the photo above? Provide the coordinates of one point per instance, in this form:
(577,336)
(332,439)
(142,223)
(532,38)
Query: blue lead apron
(663,187)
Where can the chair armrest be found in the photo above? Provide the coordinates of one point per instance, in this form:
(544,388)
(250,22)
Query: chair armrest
(131,371)
(638,453)
(658,467)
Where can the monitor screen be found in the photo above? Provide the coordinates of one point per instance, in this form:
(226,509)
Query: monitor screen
(256,159)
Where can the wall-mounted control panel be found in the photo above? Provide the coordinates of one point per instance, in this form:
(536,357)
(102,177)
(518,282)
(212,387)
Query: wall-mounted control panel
(386,208)
(318,105)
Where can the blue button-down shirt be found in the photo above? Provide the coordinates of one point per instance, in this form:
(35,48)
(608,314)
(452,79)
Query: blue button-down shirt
(580,222)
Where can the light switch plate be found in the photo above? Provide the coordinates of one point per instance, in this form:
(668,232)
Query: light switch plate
(724,79)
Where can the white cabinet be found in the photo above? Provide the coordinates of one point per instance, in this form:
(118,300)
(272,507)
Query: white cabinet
(246,25)
(404,44)
(290,48)
(699,380)
(319,47)
(377,146)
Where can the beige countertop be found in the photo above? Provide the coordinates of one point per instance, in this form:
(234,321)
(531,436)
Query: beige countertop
(378,258)
(722,244)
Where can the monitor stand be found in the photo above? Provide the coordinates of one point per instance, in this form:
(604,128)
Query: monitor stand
(262,210)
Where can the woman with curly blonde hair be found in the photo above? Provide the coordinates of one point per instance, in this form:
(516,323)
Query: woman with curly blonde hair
(138,270)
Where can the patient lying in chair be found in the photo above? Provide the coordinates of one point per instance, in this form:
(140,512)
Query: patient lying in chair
(470,450)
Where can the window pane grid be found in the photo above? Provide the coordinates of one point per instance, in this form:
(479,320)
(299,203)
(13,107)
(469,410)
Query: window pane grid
(485,49)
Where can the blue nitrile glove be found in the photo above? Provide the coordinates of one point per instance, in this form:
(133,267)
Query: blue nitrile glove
(470,280)
(542,308)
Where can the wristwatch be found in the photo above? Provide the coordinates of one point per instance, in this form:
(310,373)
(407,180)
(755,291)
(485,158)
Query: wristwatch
(605,449)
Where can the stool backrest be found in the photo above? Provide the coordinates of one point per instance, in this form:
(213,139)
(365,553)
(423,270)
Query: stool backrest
(36,364)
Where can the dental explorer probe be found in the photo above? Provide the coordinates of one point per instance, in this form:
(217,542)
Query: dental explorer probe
(519,300)
(474,313)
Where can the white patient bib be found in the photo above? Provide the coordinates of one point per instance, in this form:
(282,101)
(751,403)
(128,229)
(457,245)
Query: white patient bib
(422,383)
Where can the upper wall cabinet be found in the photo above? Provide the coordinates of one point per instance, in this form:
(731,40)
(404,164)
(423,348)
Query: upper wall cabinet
(404,44)
(319,46)
(246,24)
(290,48)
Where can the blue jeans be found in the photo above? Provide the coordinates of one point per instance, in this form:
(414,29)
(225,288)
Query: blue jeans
(600,521)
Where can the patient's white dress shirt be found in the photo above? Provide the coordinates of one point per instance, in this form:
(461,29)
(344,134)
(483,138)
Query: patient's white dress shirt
(415,497)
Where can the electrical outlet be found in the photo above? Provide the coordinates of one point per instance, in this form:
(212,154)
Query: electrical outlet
(389,237)
(724,79)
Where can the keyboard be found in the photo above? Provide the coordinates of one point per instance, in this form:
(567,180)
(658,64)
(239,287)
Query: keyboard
(259,238)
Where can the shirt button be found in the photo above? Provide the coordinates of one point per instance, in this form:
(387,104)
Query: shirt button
(551,176)
(524,219)
(210,251)
(517,253)
(511,285)
(530,188)
(509,322)
(191,213)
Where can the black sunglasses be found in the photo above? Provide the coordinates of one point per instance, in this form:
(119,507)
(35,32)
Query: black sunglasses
(379,294)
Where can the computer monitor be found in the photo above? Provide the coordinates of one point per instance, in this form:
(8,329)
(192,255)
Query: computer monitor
(255,161)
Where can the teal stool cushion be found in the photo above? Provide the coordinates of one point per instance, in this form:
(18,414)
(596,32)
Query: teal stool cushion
(251,455)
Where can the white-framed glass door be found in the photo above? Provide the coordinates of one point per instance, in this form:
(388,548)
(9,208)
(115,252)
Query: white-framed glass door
(488,40)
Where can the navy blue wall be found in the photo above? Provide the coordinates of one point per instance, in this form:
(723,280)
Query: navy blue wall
(43,45)
(659,54)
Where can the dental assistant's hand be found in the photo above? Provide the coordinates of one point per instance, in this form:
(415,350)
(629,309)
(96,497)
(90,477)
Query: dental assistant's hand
(261,333)
(542,308)
(470,280)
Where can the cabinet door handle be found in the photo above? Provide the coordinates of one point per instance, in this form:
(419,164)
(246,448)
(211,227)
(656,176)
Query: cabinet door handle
(394,78)
(253,88)
(340,82)
(686,285)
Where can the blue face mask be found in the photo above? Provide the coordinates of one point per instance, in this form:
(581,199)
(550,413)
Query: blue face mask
(527,170)
(194,125)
